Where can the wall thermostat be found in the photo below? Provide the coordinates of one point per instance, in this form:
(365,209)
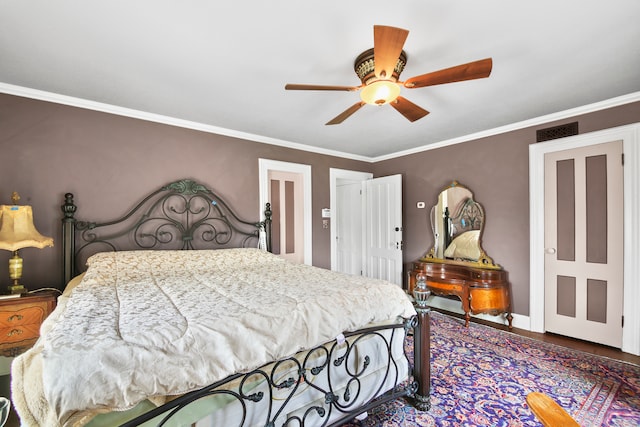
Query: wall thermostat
(326,213)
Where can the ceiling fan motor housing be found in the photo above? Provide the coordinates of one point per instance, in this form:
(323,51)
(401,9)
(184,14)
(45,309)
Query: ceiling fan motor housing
(365,67)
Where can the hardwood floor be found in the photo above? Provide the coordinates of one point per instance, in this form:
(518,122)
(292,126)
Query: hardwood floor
(576,344)
(585,346)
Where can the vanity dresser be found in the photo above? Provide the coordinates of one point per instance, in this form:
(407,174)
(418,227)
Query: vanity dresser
(457,266)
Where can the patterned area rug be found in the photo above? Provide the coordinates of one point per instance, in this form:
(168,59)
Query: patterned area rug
(480,376)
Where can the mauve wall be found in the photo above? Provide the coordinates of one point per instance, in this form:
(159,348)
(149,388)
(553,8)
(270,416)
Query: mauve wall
(496,169)
(110,161)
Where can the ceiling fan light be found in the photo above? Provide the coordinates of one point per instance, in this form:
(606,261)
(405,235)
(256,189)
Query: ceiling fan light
(380,92)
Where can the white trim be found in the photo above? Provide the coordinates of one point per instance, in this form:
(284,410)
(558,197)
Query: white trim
(630,135)
(519,321)
(172,121)
(158,118)
(264,166)
(334,175)
(609,103)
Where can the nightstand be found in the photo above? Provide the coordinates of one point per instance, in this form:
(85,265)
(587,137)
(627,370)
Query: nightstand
(20,320)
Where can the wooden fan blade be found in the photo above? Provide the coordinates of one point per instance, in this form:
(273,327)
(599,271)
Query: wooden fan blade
(470,71)
(408,109)
(387,47)
(291,86)
(346,113)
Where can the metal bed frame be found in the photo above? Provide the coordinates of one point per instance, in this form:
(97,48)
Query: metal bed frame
(187,215)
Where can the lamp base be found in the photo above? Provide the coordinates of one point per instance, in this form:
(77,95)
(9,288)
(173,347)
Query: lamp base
(16,288)
(15,273)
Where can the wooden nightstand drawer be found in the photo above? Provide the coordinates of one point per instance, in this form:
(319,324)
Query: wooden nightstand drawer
(23,316)
(20,320)
(20,333)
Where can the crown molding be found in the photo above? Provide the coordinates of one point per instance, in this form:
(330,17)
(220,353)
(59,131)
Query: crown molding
(172,121)
(561,115)
(167,120)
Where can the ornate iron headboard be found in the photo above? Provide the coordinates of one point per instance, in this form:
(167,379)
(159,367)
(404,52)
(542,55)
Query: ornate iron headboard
(181,215)
(470,216)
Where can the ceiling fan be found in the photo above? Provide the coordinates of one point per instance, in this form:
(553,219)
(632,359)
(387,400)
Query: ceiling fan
(379,70)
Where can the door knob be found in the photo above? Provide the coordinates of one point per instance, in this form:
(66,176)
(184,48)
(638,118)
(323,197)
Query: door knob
(550,250)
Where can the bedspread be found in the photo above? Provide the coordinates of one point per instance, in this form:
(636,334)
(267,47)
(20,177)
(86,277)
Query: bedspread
(148,324)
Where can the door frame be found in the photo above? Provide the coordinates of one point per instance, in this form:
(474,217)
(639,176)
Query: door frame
(630,135)
(264,166)
(334,176)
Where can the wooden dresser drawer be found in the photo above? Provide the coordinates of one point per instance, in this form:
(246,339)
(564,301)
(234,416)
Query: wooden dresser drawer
(20,320)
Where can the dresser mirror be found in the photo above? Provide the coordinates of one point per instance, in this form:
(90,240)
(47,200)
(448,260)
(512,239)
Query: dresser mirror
(457,221)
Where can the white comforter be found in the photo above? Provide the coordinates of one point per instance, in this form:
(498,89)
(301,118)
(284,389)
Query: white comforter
(154,323)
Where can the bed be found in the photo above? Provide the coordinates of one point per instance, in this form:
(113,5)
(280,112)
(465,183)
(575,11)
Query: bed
(177,314)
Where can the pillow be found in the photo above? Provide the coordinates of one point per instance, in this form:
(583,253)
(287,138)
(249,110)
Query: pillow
(465,245)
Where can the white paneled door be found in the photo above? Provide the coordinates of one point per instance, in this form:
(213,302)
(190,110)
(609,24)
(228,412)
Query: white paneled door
(286,195)
(583,263)
(348,223)
(287,186)
(383,228)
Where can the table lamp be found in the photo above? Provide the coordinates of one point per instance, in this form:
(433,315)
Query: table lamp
(16,232)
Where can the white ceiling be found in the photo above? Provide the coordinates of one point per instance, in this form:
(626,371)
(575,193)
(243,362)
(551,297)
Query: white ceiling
(222,66)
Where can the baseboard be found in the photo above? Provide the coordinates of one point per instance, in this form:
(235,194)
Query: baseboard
(454,306)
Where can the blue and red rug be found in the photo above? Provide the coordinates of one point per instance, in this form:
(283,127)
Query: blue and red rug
(480,376)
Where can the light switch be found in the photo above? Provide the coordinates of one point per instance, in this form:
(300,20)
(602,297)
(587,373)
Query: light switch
(420,205)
